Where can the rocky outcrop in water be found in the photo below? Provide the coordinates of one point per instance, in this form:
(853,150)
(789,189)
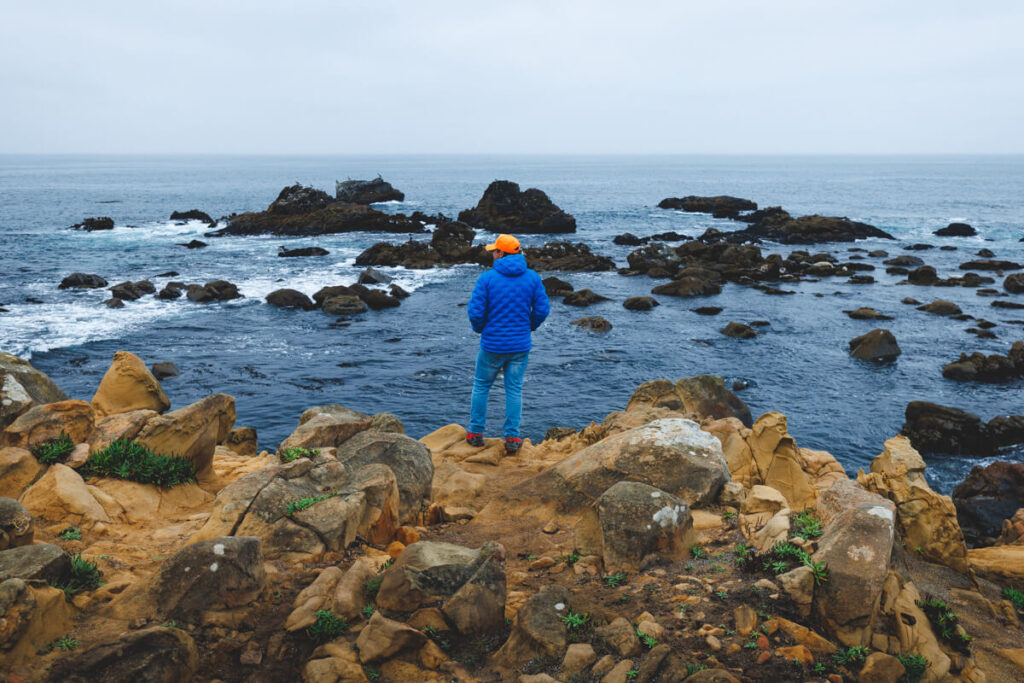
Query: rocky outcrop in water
(722,206)
(366,191)
(504,208)
(82,281)
(956,230)
(306,211)
(933,428)
(93,224)
(193,215)
(284,252)
(986,498)
(977,367)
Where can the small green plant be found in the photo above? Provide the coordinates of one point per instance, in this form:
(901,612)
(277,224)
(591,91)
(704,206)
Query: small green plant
(728,516)
(947,623)
(371,673)
(819,570)
(70,533)
(919,550)
(531,558)
(777,567)
(914,667)
(850,655)
(368,611)
(721,595)
(293,454)
(697,552)
(387,564)
(430,630)
(1014,596)
(750,644)
(717,568)
(819,667)
(742,551)
(694,668)
(683,607)
(572,558)
(85,576)
(807,525)
(689,566)
(170,624)
(326,628)
(575,621)
(303,503)
(54,450)
(615,580)
(632,673)
(372,586)
(648,640)
(130,460)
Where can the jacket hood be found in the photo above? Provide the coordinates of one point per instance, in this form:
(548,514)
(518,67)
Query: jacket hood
(512,265)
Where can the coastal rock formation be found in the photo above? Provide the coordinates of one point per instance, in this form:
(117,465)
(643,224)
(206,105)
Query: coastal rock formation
(705,396)
(1014,283)
(193,215)
(504,208)
(217,290)
(687,287)
(366,191)
(877,346)
(583,297)
(722,206)
(21,387)
(956,230)
(566,256)
(290,298)
(933,428)
(593,323)
(304,251)
(97,223)
(738,331)
(49,421)
(128,385)
(777,225)
(306,211)
(82,281)
(192,432)
(636,521)
(986,498)
(640,303)
(978,367)
(157,653)
(991,264)
(326,427)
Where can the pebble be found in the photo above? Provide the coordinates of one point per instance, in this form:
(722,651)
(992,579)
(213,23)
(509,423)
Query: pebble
(542,563)
(714,643)
(764,657)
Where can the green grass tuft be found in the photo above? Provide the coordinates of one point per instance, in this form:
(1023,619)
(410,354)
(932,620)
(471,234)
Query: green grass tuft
(303,503)
(372,586)
(326,628)
(293,454)
(54,450)
(70,533)
(1016,597)
(130,460)
(574,621)
(697,552)
(615,580)
(85,576)
(915,666)
(368,611)
(806,525)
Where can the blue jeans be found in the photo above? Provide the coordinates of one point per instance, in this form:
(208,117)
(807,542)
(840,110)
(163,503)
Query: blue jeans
(488,365)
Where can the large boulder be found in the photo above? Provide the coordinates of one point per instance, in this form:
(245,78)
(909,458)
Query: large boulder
(933,428)
(1014,283)
(992,368)
(877,346)
(49,421)
(504,208)
(128,385)
(406,457)
(156,655)
(119,426)
(18,469)
(21,387)
(191,432)
(31,614)
(469,584)
(290,298)
(687,287)
(82,281)
(856,547)
(217,290)
(988,496)
(366,191)
(637,521)
(702,395)
(41,562)
(956,230)
(926,520)
(326,427)
(62,497)
(538,632)
(95,223)
(307,507)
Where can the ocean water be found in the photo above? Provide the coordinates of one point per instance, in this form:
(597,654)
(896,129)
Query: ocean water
(417,361)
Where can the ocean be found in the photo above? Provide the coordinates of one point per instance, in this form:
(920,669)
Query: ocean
(416,361)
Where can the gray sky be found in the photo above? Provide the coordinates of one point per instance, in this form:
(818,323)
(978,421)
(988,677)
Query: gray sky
(744,76)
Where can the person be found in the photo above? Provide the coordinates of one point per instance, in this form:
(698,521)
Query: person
(507,304)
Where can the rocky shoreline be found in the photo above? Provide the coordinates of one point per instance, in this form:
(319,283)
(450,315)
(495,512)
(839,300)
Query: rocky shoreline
(679,539)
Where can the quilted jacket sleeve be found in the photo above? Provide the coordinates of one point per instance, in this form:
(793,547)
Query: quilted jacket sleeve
(540,304)
(477,308)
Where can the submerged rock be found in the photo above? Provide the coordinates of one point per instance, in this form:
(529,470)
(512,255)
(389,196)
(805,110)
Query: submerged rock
(504,208)
(217,290)
(594,324)
(978,367)
(738,331)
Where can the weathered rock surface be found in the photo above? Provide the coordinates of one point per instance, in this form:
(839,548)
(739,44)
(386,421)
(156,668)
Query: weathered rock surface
(504,208)
(1014,283)
(30,613)
(326,427)
(940,307)
(687,287)
(639,303)
(538,630)
(383,638)
(82,281)
(18,469)
(877,346)
(738,331)
(61,496)
(722,206)
(406,457)
(157,654)
(583,297)
(40,562)
(119,426)
(638,520)
(164,370)
(217,290)
(128,385)
(986,498)
(925,519)
(290,298)
(703,395)
(49,421)
(367,191)
(932,428)
(469,584)
(191,432)
(977,367)
(593,323)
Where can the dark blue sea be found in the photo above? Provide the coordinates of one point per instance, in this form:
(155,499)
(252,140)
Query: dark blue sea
(417,361)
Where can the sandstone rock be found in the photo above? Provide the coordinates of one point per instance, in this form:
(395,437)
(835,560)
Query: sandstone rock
(243,441)
(1004,563)
(880,668)
(383,638)
(619,637)
(1012,532)
(41,562)
(577,658)
(704,395)
(128,385)
(454,486)
(926,520)
(49,421)
(988,496)
(18,469)
(21,387)
(191,432)
(409,460)
(158,654)
(504,208)
(779,460)
(61,496)
(855,546)
(878,346)
(314,598)
(386,422)
(16,527)
(913,630)
(119,426)
(638,520)
(348,595)
(799,585)
(30,614)
(538,630)
(334,662)
(745,619)
(775,531)
(471,584)
(326,427)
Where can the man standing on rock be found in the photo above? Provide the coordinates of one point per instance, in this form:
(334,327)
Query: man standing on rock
(508,303)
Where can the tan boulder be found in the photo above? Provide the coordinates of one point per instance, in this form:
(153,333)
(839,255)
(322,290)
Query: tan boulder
(334,662)
(16,526)
(21,387)
(61,496)
(759,505)
(703,396)
(119,426)
(775,531)
(191,432)
(48,421)
(138,503)
(243,441)
(778,460)
(349,593)
(454,486)
(538,630)
(312,599)
(18,469)
(577,658)
(383,638)
(127,386)
(1012,532)
(911,626)
(326,427)
(880,667)
(799,584)
(733,435)
(33,615)
(1000,562)
(926,519)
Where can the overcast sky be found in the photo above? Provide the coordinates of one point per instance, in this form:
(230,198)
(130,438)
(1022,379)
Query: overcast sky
(717,76)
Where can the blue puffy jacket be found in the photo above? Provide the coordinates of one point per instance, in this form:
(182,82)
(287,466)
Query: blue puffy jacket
(508,303)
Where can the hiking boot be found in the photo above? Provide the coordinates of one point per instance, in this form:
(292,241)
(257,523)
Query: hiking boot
(475,440)
(512,445)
